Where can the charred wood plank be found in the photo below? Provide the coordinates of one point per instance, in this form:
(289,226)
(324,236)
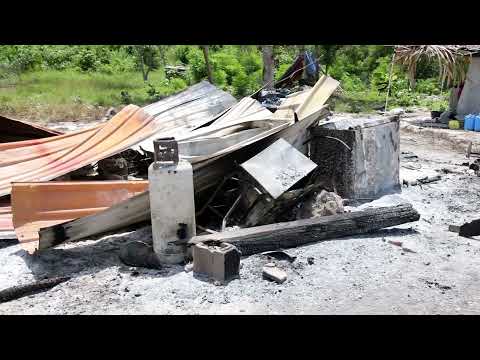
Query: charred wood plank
(296,233)
(470,229)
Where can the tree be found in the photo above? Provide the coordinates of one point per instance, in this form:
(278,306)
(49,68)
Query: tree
(207,63)
(146,58)
(163,54)
(268,66)
(326,54)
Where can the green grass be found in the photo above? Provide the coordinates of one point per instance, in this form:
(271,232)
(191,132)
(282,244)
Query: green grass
(70,95)
(368,101)
(50,95)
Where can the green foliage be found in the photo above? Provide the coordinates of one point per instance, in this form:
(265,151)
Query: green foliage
(153,93)
(281,70)
(110,74)
(196,62)
(181,53)
(326,54)
(250,60)
(241,83)
(120,62)
(20,58)
(146,59)
(284,55)
(220,78)
(428,86)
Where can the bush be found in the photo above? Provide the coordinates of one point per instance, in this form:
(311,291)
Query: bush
(86,60)
(8,75)
(153,93)
(181,53)
(352,83)
(251,61)
(427,86)
(125,97)
(20,58)
(177,84)
(228,63)
(220,78)
(120,62)
(196,61)
(241,83)
(58,57)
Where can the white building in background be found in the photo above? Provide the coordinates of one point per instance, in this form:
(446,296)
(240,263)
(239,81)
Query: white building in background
(469,101)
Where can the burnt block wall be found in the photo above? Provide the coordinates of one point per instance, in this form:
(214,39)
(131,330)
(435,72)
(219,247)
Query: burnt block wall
(336,164)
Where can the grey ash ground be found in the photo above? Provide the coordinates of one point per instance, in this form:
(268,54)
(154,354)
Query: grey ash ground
(417,268)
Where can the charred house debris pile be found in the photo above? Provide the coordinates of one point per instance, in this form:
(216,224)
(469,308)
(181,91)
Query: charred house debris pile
(217,178)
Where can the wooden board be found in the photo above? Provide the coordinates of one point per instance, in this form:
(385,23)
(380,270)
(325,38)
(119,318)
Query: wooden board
(295,233)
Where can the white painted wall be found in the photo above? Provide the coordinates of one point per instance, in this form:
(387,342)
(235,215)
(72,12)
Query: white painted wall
(469,101)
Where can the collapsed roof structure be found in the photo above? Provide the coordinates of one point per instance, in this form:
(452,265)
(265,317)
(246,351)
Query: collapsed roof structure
(213,132)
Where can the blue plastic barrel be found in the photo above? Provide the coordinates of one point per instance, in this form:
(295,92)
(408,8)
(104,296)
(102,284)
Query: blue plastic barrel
(469,123)
(476,125)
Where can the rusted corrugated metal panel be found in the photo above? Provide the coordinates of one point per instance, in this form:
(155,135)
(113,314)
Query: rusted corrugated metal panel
(43,204)
(17,130)
(58,156)
(46,159)
(5,217)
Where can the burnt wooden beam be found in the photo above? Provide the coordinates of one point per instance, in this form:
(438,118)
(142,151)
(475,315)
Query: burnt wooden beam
(16,292)
(470,229)
(296,233)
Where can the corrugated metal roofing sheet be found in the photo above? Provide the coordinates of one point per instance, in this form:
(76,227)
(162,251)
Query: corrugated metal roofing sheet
(53,157)
(44,204)
(6,224)
(46,159)
(18,130)
(206,172)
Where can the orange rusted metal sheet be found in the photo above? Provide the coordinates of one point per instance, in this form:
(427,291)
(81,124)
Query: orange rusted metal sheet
(6,225)
(37,205)
(17,130)
(49,158)
(46,159)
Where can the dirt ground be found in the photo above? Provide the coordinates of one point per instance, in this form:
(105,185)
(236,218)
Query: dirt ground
(433,271)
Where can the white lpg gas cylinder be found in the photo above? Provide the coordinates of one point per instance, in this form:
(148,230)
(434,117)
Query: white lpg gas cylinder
(172,204)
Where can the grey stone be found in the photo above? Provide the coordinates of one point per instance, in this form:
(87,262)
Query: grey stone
(272,272)
(140,254)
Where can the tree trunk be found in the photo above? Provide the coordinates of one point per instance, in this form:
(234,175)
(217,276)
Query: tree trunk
(295,233)
(268,66)
(142,66)
(145,76)
(207,63)
(162,50)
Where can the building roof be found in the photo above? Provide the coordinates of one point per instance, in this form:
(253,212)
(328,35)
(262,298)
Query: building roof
(453,59)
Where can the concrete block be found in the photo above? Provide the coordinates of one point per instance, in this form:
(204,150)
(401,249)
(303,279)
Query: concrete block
(217,259)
